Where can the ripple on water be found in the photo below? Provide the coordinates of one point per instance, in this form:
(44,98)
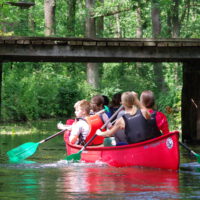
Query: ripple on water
(193,166)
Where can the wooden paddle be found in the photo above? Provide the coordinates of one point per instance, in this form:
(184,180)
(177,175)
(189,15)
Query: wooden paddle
(28,149)
(77,156)
(191,151)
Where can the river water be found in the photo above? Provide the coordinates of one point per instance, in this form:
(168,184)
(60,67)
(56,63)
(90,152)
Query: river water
(47,176)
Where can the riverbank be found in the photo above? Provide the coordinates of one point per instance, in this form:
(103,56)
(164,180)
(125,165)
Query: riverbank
(44,126)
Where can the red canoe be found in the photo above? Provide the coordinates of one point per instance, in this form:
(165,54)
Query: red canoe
(161,152)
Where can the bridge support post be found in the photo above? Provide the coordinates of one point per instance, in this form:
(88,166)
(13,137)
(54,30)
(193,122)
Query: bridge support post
(191,101)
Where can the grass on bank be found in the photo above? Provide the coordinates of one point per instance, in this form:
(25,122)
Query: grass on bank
(46,126)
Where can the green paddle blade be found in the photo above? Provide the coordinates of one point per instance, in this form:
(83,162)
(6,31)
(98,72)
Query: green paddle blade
(106,108)
(74,157)
(22,152)
(197,156)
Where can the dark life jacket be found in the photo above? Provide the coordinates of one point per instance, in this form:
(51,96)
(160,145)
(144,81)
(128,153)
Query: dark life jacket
(138,129)
(153,128)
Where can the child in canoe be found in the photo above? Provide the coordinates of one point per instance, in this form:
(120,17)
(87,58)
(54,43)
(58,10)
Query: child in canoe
(80,128)
(97,103)
(85,125)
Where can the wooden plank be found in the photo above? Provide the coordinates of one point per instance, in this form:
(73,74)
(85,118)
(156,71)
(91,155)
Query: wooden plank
(49,42)
(75,43)
(113,43)
(131,44)
(36,42)
(101,44)
(10,41)
(23,41)
(162,44)
(191,44)
(92,43)
(150,44)
(61,42)
(175,44)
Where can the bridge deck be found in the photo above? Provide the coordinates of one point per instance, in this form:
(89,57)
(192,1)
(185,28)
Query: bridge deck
(53,49)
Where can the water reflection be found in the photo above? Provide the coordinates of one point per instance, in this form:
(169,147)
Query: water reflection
(159,184)
(43,177)
(62,180)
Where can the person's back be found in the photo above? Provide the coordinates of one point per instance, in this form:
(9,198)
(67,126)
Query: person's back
(136,114)
(136,127)
(158,119)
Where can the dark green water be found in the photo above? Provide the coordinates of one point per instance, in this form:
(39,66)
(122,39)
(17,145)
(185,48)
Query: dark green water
(47,176)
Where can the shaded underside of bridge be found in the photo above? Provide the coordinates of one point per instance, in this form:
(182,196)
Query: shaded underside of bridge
(51,49)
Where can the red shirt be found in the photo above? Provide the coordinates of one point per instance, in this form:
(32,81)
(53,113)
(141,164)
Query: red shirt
(161,121)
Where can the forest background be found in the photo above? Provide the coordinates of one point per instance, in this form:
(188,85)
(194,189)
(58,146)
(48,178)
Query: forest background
(32,91)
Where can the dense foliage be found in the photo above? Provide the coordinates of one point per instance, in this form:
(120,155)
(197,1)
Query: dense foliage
(44,90)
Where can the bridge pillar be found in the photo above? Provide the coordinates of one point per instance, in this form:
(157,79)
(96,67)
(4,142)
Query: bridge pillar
(191,101)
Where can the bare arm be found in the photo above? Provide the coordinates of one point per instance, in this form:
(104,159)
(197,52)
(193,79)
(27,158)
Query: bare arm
(75,132)
(73,139)
(117,126)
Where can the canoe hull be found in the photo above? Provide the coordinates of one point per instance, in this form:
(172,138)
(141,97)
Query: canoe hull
(161,152)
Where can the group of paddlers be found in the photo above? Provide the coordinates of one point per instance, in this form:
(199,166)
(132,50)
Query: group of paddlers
(136,122)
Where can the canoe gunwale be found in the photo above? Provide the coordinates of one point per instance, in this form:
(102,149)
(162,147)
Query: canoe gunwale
(111,148)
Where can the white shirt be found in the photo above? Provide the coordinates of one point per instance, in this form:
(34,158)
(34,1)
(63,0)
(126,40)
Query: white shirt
(80,127)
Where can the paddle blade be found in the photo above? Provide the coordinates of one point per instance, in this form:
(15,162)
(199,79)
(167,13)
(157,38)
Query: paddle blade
(198,157)
(74,157)
(22,152)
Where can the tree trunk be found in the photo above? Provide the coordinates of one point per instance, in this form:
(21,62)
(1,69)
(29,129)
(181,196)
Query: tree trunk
(71,17)
(139,29)
(156,29)
(90,22)
(191,102)
(49,15)
(92,68)
(99,33)
(100,24)
(175,19)
(139,32)
(118,33)
(156,22)
(93,74)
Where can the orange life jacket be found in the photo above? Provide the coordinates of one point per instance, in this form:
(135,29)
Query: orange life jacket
(95,122)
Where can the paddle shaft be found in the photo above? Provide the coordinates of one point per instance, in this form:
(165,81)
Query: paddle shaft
(186,147)
(104,126)
(52,136)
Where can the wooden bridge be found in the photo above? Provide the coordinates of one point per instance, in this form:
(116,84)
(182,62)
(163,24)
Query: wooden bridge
(52,49)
